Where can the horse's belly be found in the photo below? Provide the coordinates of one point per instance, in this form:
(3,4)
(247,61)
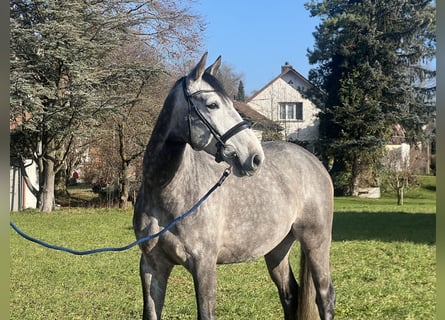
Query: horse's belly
(245,251)
(228,255)
(252,239)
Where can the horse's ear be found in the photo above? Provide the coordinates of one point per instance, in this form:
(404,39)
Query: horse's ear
(198,71)
(213,69)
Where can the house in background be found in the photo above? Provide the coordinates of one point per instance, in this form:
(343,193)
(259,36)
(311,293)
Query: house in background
(20,197)
(283,101)
(264,128)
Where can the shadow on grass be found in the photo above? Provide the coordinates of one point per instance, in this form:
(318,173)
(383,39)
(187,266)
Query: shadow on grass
(430,188)
(388,227)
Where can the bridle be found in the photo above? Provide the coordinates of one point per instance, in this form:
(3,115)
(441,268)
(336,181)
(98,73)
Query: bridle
(221,139)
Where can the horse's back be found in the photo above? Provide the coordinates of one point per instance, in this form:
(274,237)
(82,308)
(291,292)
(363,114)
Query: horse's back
(297,168)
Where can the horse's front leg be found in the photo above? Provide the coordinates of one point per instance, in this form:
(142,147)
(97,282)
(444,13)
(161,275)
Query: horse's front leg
(154,274)
(204,279)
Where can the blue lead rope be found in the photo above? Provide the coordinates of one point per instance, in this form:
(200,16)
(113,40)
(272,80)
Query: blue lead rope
(135,243)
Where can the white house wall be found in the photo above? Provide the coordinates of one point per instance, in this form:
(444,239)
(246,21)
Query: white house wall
(400,156)
(268,100)
(20,197)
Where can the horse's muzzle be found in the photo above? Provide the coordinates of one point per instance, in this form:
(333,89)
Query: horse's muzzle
(225,152)
(253,165)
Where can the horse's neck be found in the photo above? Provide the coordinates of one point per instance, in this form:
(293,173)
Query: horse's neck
(165,156)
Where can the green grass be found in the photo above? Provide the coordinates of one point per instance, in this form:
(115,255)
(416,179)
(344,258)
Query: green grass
(382,257)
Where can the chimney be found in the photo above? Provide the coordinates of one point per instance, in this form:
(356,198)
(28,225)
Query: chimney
(286,67)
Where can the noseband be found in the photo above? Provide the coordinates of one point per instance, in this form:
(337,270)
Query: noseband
(220,138)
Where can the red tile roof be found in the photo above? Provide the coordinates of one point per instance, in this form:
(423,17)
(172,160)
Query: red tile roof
(255,116)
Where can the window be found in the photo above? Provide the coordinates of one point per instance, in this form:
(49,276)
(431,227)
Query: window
(299,110)
(291,111)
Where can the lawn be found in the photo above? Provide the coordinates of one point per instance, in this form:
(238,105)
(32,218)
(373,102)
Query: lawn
(382,257)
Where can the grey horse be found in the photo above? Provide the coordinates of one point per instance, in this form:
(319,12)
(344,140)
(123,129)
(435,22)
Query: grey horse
(278,193)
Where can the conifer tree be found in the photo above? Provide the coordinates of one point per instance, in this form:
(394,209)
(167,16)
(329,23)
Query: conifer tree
(241,96)
(369,57)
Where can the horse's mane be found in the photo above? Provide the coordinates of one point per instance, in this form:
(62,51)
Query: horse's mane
(211,80)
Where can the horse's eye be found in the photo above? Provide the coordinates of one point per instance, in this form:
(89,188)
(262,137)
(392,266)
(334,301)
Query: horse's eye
(212,106)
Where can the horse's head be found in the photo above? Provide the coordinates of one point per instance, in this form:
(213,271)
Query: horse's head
(215,126)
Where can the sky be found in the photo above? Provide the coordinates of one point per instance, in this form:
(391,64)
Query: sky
(257,37)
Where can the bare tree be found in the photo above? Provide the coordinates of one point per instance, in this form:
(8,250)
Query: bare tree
(63,81)
(230,79)
(124,135)
(398,172)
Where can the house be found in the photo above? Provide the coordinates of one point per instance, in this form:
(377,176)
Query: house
(283,101)
(263,127)
(20,196)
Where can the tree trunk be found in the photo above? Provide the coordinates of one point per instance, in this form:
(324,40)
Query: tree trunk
(125,186)
(355,176)
(400,196)
(399,190)
(47,201)
(428,157)
(125,168)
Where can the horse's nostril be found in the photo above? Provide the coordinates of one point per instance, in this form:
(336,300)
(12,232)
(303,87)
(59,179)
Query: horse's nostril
(256,161)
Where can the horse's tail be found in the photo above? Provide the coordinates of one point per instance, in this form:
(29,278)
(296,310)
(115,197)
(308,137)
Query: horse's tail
(307,308)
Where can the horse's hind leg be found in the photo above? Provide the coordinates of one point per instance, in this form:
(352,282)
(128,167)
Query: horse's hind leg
(316,251)
(281,273)
(154,275)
